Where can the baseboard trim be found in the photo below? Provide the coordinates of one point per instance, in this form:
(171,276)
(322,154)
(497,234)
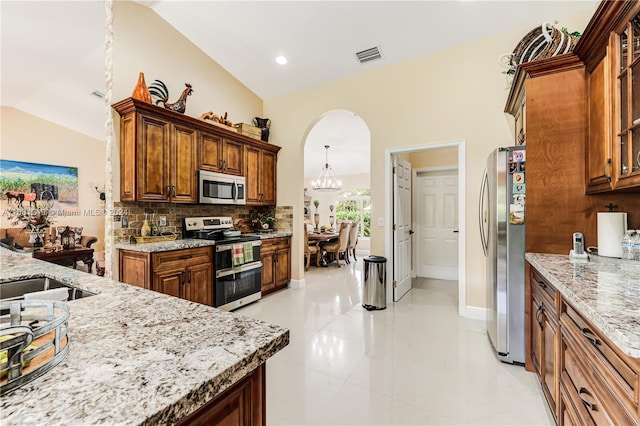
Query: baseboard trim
(474,312)
(296,283)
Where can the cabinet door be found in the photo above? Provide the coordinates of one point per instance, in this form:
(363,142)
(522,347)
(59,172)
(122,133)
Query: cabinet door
(152,159)
(210,147)
(134,268)
(251,174)
(268,178)
(169,282)
(183,172)
(283,267)
(599,167)
(199,284)
(536,331)
(267,255)
(232,157)
(548,352)
(128,157)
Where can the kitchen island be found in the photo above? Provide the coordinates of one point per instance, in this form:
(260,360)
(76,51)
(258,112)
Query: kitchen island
(583,337)
(136,356)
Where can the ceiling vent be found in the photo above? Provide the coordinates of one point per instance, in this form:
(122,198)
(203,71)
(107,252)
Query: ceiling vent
(369,55)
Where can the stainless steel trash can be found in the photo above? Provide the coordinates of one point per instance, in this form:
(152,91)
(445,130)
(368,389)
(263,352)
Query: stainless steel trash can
(374,290)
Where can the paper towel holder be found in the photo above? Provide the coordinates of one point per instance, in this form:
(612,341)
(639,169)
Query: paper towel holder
(610,206)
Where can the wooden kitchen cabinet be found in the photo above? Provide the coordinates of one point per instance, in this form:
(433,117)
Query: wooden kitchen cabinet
(161,152)
(220,155)
(585,378)
(275,254)
(186,273)
(157,156)
(544,337)
(260,172)
(242,404)
(610,50)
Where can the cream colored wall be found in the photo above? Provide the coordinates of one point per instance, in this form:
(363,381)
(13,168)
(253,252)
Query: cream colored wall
(433,158)
(144,42)
(454,94)
(28,138)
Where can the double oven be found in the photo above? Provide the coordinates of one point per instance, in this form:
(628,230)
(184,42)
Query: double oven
(237,279)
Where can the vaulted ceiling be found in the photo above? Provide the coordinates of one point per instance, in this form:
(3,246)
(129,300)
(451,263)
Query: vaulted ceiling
(53,51)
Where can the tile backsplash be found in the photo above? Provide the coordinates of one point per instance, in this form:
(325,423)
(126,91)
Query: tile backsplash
(135,214)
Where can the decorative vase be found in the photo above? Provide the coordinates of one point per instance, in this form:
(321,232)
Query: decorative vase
(316,219)
(145,230)
(141,91)
(264,124)
(331,221)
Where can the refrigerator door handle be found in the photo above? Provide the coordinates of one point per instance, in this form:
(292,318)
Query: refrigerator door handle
(483,189)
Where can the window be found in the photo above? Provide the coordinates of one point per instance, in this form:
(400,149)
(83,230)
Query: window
(355,205)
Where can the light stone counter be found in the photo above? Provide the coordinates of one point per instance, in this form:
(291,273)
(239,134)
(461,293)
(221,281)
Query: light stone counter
(136,356)
(187,243)
(606,291)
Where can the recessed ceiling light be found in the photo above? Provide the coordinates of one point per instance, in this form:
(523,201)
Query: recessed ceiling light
(281,60)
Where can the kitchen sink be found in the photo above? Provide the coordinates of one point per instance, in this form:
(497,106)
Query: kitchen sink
(15,290)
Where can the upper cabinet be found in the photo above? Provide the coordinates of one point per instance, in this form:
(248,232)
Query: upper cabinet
(610,50)
(161,152)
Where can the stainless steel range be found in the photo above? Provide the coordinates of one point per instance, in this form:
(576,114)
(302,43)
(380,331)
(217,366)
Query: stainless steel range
(236,265)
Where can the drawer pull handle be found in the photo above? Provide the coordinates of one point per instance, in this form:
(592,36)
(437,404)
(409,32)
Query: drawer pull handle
(590,405)
(539,313)
(541,284)
(186,256)
(589,336)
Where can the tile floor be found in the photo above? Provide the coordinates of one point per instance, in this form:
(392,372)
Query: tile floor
(415,363)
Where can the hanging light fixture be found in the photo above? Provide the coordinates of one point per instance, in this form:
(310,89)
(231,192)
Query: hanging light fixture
(327,180)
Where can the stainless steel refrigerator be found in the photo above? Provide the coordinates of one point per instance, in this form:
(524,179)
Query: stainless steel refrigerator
(502,224)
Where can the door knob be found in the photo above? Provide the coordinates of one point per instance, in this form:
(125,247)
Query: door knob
(411,232)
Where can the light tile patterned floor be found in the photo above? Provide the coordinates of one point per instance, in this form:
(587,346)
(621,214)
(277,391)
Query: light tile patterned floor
(415,363)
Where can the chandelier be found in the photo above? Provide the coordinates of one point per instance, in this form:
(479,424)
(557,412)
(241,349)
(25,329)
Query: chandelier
(327,180)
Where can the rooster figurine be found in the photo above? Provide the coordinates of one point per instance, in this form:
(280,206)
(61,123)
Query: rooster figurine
(159,90)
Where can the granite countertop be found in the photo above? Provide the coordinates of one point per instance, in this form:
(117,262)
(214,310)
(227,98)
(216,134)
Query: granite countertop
(606,291)
(136,356)
(186,243)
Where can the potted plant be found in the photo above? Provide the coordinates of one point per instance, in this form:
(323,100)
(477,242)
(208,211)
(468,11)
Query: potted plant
(263,220)
(316,215)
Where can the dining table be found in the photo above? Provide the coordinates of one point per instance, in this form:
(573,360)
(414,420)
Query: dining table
(320,237)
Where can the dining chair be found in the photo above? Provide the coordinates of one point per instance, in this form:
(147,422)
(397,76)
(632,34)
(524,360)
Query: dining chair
(310,250)
(337,248)
(353,241)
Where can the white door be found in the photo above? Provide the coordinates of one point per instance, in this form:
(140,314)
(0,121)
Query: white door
(437,225)
(402,227)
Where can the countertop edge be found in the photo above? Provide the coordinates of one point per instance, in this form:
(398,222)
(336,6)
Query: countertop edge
(187,243)
(618,337)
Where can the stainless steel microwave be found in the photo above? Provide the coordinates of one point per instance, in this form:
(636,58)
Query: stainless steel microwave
(220,188)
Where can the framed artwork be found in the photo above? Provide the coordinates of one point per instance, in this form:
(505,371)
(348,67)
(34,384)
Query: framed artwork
(24,184)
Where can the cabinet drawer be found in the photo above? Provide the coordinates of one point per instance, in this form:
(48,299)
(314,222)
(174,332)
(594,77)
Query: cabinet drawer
(276,243)
(582,392)
(543,287)
(612,367)
(181,258)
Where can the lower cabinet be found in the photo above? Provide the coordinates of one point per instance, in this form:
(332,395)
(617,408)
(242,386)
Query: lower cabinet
(586,379)
(186,273)
(276,263)
(242,404)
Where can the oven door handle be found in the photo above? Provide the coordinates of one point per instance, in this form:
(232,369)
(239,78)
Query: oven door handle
(239,269)
(227,247)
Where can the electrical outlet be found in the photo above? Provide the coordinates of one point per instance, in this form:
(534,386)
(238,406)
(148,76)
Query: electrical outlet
(124,221)
(163,221)
(381,221)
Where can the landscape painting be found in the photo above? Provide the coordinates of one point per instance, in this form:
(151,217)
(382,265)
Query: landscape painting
(27,185)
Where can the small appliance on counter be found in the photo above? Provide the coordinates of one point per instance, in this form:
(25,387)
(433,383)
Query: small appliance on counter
(237,268)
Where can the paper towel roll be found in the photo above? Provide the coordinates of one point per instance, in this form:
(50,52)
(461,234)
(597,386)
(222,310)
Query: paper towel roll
(611,228)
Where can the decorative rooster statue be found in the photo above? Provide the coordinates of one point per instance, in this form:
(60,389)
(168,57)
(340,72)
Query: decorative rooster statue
(159,90)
